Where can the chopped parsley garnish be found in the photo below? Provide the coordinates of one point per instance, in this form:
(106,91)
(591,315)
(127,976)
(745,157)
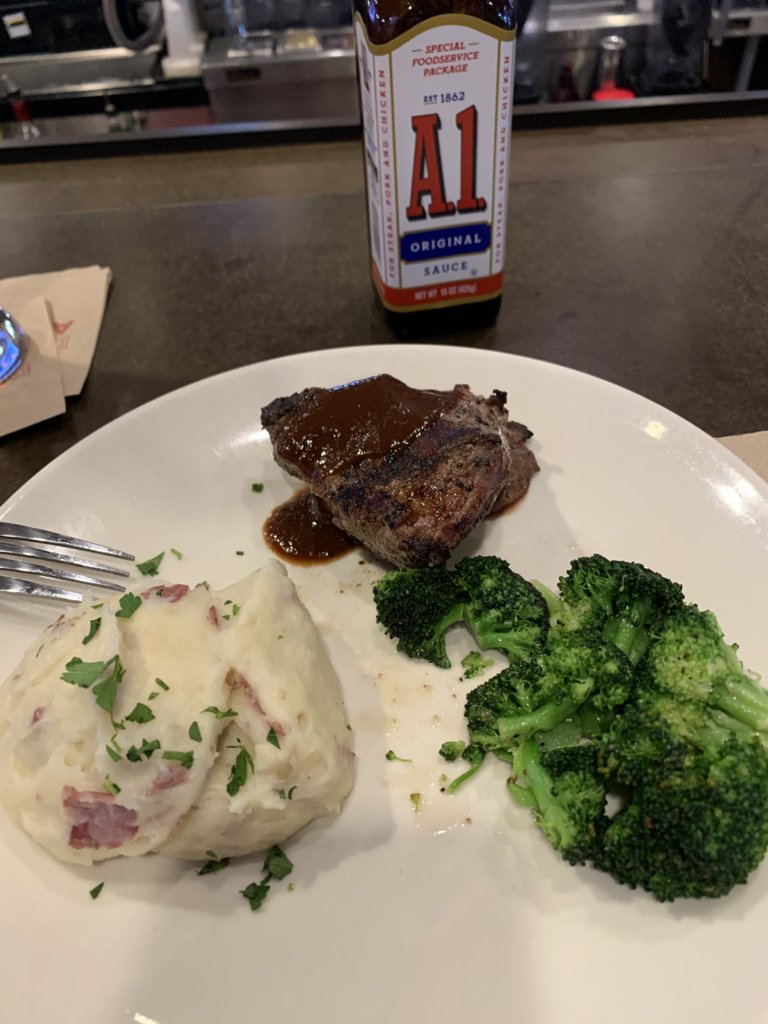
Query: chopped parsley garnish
(83,673)
(392,756)
(256,893)
(257,488)
(94,892)
(213,863)
(128,605)
(277,866)
(153,695)
(92,631)
(140,714)
(239,772)
(218,713)
(194,733)
(147,749)
(290,887)
(176,554)
(97,606)
(272,738)
(226,618)
(113,750)
(110,786)
(161,684)
(105,691)
(279,636)
(235,609)
(86,673)
(286,796)
(151,566)
(239,552)
(416,800)
(184,757)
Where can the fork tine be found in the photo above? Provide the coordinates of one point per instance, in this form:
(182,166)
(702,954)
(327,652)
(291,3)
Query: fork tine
(12,565)
(29,551)
(31,589)
(18,532)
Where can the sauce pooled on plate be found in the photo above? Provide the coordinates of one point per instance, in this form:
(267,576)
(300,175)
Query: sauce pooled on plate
(339,428)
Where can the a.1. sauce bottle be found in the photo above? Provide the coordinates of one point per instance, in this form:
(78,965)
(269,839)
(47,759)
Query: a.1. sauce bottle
(436,83)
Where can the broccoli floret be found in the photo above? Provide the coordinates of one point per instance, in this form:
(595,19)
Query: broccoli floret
(501,609)
(576,665)
(497,698)
(691,661)
(416,607)
(644,747)
(695,819)
(626,601)
(474,755)
(452,749)
(698,832)
(475,664)
(567,796)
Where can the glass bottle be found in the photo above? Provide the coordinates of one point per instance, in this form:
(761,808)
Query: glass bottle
(436,82)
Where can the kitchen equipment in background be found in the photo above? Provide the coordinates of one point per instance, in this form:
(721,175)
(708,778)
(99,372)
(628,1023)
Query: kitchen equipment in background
(530,55)
(565,89)
(52,47)
(610,72)
(69,26)
(675,49)
(134,24)
(575,31)
(183,39)
(283,75)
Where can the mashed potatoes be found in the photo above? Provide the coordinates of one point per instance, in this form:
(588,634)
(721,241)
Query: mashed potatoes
(216,722)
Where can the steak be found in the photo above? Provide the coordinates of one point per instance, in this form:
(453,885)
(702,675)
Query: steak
(413,498)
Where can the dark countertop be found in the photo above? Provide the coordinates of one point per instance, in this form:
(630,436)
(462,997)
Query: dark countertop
(638,254)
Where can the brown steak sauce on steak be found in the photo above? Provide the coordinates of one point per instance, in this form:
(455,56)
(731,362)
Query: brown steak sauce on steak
(407,473)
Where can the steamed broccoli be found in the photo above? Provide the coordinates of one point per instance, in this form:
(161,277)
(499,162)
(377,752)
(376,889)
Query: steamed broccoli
(698,831)
(576,665)
(417,607)
(472,753)
(474,664)
(624,600)
(501,609)
(691,661)
(695,816)
(615,688)
(567,796)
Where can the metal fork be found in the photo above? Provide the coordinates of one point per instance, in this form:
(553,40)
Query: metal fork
(15,540)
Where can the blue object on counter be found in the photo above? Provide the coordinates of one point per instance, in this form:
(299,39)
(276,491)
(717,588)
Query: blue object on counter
(11,346)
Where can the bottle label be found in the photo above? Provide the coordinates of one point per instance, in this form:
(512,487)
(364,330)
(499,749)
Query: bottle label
(437,110)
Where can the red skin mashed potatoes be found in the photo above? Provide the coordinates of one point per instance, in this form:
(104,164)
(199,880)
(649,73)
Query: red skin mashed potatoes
(216,722)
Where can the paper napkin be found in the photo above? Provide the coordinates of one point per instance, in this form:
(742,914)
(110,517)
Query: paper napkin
(76,299)
(35,391)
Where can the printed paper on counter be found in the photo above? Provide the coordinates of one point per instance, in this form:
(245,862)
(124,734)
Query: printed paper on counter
(34,393)
(77,300)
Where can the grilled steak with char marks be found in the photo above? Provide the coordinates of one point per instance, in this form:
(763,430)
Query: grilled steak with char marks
(413,504)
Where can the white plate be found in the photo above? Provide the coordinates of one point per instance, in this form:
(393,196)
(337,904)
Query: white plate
(460,911)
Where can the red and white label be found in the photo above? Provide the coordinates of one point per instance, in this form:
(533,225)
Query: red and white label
(437,111)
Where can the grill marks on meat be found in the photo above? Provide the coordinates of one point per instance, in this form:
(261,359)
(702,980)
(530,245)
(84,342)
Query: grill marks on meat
(414,505)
